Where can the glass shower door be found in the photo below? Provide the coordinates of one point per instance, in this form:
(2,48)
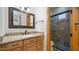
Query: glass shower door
(61,31)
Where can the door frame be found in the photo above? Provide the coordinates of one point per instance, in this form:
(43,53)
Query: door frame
(48,29)
(48,25)
(73,39)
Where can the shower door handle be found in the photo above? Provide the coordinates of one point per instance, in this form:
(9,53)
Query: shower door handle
(70,34)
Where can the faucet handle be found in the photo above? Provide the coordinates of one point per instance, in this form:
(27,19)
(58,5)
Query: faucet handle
(25,32)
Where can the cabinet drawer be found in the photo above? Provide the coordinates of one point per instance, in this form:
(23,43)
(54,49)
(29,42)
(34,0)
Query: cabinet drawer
(29,41)
(11,45)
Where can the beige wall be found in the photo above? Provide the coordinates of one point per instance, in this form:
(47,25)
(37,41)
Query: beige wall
(2,24)
(39,15)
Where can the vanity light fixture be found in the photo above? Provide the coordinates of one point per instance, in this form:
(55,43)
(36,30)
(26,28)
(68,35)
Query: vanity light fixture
(26,9)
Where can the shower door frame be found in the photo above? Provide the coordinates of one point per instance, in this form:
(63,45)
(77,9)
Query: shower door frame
(72,27)
(61,13)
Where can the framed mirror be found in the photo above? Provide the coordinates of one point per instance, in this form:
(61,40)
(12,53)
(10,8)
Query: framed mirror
(20,19)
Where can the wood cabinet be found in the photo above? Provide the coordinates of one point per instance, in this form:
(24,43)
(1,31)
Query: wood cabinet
(34,44)
(11,45)
(30,44)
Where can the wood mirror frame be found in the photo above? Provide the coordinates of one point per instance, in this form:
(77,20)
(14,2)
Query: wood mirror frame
(10,17)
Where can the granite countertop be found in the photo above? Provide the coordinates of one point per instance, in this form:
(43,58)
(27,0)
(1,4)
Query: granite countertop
(7,39)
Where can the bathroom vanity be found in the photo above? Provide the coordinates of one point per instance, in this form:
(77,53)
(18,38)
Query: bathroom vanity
(31,42)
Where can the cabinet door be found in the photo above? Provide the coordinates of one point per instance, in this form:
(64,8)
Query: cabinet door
(30,44)
(33,44)
(40,43)
(75,29)
(11,45)
(1,47)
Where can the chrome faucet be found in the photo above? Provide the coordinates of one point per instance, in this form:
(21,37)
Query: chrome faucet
(25,32)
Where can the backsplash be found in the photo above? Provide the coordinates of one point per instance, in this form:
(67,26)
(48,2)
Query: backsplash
(12,34)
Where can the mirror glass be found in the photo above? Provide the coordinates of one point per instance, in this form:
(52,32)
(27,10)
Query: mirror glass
(23,19)
(31,20)
(16,17)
